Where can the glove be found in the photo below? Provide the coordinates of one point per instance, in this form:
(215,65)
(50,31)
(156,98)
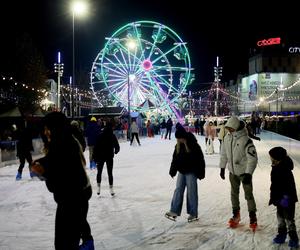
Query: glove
(246,178)
(201,176)
(116,151)
(172,174)
(222,173)
(284,202)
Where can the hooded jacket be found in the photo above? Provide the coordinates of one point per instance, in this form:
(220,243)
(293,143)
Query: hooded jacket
(238,152)
(282,182)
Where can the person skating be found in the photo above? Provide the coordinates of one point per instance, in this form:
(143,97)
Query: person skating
(283,195)
(134,132)
(23,136)
(239,155)
(106,147)
(63,169)
(93,129)
(169,128)
(188,161)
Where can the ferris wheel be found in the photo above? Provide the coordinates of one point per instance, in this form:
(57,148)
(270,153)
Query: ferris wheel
(143,63)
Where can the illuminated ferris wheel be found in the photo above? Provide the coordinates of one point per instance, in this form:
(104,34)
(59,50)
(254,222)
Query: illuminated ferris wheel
(144,62)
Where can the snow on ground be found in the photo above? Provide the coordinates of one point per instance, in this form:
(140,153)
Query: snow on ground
(134,218)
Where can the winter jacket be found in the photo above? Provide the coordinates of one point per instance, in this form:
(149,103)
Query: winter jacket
(222,132)
(106,146)
(134,128)
(282,182)
(64,166)
(188,162)
(92,131)
(169,124)
(238,152)
(210,131)
(24,142)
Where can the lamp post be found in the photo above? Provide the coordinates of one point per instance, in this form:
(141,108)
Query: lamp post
(131,45)
(59,69)
(276,91)
(217,73)
(78,8)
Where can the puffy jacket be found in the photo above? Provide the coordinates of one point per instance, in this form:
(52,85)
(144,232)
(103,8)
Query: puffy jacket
(238,153)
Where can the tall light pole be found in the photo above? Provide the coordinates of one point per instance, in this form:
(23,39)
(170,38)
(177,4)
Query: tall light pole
(217,73)
(78,8)
(276,91)
(131,45)
(59,69)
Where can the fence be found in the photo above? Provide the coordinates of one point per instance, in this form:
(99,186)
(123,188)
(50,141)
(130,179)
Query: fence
(8,151)
(291,145)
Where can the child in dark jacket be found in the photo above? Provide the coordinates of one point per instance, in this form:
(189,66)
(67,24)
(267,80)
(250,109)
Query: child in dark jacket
(188,161)
(283,195)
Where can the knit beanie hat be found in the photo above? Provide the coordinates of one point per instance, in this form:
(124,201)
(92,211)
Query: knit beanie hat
(233,122)
(278,153)
(180,132)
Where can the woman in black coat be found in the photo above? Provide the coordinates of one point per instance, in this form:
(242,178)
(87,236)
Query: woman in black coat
(63,169)
(105,148)
(188,161)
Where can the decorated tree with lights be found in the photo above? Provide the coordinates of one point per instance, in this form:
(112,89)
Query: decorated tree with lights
(217,99)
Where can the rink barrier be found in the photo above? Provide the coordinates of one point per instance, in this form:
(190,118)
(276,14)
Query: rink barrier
(291,145)
(8,151)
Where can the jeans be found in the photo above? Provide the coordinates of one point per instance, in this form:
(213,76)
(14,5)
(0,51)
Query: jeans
(190,181)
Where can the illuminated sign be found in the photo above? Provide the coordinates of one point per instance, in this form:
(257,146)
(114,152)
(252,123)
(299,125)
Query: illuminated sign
(294,49)
(270,41)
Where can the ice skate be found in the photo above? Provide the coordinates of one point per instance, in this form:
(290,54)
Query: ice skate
(293,244)
(87,245)
(294,240)
(192,218)
(280,238)
(19,176)
(111,190)
(235,220)
(98,188)
(253,221)
(171,216)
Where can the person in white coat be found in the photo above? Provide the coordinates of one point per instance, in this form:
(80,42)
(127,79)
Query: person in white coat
(134,132)
(238,154)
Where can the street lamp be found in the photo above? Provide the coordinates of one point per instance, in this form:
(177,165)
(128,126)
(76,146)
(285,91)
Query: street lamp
(78,8)
(217,73)
(131,45)
(59,69)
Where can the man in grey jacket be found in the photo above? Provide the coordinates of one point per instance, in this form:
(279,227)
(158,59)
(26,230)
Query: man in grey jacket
(239,155)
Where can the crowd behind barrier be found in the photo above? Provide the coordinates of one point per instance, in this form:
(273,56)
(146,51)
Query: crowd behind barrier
(8,151)
(8,148)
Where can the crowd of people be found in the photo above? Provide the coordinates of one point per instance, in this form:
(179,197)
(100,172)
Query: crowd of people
(63,168)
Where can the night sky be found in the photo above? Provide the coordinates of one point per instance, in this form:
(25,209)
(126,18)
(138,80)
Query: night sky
(210,29)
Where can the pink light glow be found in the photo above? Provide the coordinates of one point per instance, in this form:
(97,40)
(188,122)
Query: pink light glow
(147,65)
